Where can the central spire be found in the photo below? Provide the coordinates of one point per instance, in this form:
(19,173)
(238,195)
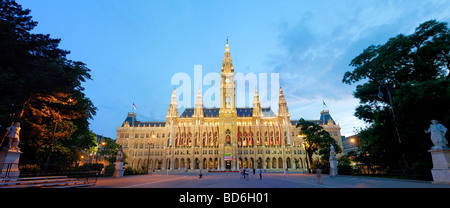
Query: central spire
(227,83)
(227,64)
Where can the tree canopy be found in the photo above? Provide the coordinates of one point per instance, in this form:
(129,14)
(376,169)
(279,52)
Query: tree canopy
(412,72)
(41,89)
(316,140)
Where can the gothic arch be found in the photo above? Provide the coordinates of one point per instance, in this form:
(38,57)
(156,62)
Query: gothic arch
(182,163)
(177,164)
(280,162)
(197,163)
(288,162)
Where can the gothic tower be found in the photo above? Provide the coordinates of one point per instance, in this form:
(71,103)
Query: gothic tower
(227,112)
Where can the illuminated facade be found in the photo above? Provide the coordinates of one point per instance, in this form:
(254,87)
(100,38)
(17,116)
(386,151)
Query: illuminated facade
(225,138)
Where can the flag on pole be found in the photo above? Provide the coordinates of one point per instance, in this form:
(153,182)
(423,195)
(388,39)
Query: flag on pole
(279,129)
(198,136)
(206,131)
(259,133)
(268,135)
(134,106)
(212,135)
(171,133)
(274,139)
(179,135)
(251,137)
(325,105)
(217,140)
(189,136)
(239,137)
(245,137)
(184,133)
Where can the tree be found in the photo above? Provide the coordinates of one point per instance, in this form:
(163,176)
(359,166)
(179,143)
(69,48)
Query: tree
(40,88)
(109,151)
(414,69)
(316,140)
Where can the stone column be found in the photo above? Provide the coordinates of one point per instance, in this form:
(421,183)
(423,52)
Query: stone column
(441,165)
(9,160)
(333,167)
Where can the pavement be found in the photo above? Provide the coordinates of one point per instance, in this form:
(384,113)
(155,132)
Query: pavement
(269,180)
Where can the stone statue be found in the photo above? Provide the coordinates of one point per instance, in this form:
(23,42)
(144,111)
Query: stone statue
(13,136)
(332,152)
(119,157)
(118,172)
(437,135)
(333,162)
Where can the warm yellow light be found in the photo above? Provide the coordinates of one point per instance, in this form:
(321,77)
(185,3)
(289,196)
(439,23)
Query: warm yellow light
(352,140)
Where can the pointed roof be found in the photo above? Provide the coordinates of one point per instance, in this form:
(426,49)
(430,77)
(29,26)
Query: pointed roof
(227,63)
(198,102)
(326,118)
(256,99)
(173,100)
(281,97)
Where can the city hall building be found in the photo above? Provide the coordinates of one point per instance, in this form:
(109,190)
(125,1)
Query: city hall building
(225,138)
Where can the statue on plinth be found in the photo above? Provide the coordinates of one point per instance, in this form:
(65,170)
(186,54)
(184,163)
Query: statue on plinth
(119,157)
(333,162)
(332,152)
(10,155)
(13,136)
(118,172)
(437,131)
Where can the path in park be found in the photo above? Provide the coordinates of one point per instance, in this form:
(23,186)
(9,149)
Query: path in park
(270,180)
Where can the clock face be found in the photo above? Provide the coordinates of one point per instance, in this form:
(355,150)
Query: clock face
(227,80)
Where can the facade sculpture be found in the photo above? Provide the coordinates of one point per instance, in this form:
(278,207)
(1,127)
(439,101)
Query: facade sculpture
(437,131)
(332,152)
(13,136)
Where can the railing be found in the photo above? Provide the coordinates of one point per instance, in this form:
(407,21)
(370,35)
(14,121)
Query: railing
(5,171)
(86,173)
(389,173)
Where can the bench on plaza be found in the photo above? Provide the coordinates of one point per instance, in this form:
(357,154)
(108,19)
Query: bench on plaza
(75,179)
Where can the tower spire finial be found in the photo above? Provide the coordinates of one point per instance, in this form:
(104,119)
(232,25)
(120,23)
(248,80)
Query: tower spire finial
(227,39)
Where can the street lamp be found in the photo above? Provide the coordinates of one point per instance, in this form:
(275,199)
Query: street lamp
(148,157)
(380,95)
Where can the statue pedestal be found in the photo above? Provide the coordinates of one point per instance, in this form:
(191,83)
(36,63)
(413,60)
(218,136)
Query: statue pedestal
(118,172)
(441,165)
(333,167)
(9,161)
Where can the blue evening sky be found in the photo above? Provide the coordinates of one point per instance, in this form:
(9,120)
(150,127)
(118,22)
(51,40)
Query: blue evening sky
(135,47)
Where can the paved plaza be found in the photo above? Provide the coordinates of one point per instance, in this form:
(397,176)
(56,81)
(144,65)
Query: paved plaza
(269,180)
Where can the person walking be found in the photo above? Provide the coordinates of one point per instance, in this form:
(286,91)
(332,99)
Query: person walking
(200,174)
(241,173)
(319,176)
(248,173)
(254,171)
(260,174)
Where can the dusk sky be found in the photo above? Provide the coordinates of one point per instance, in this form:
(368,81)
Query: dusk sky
(134,48)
